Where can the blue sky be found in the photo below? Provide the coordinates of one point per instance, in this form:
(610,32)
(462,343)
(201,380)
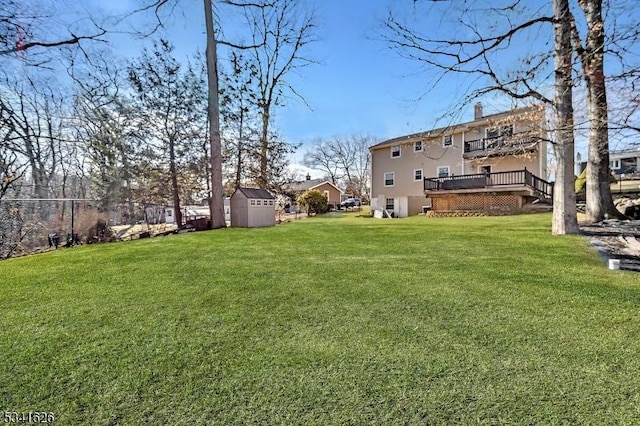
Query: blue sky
(358,87)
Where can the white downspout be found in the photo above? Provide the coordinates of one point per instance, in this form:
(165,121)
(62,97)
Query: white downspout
(462,152)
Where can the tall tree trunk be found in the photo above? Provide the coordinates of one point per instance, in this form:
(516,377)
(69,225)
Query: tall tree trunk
(564,197)
(240,146)
(216,202)
(126,177)
(598,191)
(263,178)
(175,189)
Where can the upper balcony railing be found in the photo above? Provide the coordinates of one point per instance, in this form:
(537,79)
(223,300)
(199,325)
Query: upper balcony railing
(500,145)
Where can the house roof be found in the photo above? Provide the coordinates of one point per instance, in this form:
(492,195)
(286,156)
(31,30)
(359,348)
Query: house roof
(310,184)
(622,153)
(454,127)
(256,193)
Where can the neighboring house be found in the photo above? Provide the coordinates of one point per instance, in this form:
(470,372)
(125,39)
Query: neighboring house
(196,217)
(624,163)
(493,163)
(155,214)
(192,216)
(252,208)
(190,213)
(332,192)
(625,166)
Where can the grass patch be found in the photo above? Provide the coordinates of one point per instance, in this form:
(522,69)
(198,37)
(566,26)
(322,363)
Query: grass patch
(341,319)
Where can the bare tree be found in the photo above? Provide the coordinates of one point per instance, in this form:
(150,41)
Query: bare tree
(599,202)
(238,100)
(105,126)
(622,38)
(216,202)
(38,158)
(320,156)
(217,189)
(345,160)
(281,35)
(12,169)
(27,112)
(26,26)
(13,229)
(564,197)
(360,169)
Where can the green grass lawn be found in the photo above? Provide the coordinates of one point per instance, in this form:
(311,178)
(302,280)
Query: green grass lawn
(339,319)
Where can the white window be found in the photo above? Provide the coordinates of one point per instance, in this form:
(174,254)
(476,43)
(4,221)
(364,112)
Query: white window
(253,202)
(169,213)
(389,202)
(417,146)
(326,194)
(270,202)
(614,164)
(389,178)
(443,171)
(258,202)
(447,140)
(395,151)
(417,175)
(485,169)
(494,132)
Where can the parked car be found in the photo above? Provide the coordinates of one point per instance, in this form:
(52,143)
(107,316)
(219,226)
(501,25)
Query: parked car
(350,202)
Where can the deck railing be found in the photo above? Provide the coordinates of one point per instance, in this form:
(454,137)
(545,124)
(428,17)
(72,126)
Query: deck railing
(487,180)
(498,143)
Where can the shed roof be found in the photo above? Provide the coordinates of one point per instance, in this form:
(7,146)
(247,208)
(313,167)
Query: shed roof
(256,193)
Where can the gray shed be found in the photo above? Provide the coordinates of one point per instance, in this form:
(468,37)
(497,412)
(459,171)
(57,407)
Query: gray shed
(252,208)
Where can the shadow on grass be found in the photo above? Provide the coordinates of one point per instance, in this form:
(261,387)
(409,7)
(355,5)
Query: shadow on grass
(331,215)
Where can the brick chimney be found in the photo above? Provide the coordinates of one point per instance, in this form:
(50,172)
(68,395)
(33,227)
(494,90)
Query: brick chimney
(477,111)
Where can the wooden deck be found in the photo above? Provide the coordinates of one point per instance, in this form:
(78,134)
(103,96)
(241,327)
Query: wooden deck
(482,182)
(491,193)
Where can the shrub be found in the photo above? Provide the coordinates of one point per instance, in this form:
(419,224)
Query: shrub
(581,181)
(314,201)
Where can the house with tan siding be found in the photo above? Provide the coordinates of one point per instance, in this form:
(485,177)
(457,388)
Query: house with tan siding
(331,191)
(493,163)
